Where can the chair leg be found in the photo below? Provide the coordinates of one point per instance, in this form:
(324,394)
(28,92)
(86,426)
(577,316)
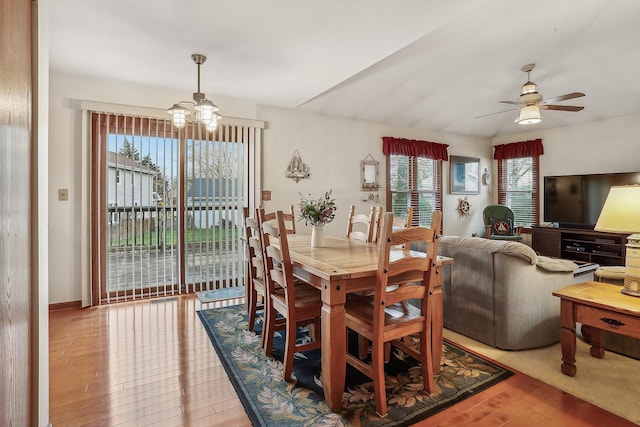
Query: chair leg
(377,362)
(252,303)
(290,348)
(269,328)
(426,363)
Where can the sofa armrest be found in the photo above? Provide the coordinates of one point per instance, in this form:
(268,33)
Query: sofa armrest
(556,264)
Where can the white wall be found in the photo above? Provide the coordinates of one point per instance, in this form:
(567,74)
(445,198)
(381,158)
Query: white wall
(333,148)
(597,147)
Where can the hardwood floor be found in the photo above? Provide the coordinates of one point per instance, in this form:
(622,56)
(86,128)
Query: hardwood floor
(151,363)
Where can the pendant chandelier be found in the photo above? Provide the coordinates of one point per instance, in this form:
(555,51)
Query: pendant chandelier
(204,110)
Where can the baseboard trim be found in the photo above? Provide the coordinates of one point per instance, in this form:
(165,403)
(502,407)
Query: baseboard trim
(65,305)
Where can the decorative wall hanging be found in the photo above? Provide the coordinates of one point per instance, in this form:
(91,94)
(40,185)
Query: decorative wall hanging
(464,207)
(297,169)
(486,177)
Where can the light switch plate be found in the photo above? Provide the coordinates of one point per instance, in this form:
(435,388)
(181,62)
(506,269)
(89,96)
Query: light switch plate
(63,194)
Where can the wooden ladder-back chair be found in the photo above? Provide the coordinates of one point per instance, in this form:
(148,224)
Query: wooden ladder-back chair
(255,288)
(363,221)
(289,219)
(398,222)
(388,316)
(298,303)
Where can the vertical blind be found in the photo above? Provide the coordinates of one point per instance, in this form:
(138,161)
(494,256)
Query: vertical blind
(166,206)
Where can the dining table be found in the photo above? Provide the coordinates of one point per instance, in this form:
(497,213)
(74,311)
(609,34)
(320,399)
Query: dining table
(340,267)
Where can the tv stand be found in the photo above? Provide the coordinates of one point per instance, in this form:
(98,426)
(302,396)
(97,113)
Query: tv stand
(580,245)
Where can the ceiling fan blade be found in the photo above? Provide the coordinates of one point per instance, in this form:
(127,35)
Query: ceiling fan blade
(510,102)
(564,97)
(497,112)
(561,107)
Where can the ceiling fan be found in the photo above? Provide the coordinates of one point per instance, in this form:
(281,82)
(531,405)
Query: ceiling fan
(530,101)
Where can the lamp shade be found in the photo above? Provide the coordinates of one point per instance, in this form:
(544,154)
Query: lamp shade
(179,115)
(529,114)
(206,109)
(621,210)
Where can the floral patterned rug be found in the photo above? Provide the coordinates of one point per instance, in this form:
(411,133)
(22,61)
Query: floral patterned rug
(271,401)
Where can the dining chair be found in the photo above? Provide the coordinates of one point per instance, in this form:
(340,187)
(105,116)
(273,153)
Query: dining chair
(388,316)
(255,289)
(289,219)
(361,226)
(298,304)
(398,222)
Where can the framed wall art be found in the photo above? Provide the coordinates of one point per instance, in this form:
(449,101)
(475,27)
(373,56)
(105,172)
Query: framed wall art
(464,177)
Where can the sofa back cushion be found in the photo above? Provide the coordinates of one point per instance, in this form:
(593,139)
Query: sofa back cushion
(515,249)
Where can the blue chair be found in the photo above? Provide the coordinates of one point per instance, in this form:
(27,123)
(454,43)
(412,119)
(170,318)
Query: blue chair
(498,223)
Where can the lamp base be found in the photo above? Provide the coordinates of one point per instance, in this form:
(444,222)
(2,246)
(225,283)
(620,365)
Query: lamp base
(630,292)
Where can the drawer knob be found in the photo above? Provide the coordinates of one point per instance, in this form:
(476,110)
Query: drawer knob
(613,323)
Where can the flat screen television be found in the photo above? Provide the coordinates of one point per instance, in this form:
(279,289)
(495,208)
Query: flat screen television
(575,201)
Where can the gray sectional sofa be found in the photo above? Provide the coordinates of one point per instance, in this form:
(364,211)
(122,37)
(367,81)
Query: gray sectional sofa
(499,292)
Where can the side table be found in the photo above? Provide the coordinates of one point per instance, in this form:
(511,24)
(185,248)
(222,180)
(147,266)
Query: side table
(600,305)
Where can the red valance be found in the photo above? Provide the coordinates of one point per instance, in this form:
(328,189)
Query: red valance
(515,150)
(414,147)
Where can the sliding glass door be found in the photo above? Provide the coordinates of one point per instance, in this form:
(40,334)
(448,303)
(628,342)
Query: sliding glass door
(166,206)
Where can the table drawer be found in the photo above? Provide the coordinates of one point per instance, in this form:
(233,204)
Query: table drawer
(608,320)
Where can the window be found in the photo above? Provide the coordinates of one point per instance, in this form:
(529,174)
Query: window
(414,177)
(414,182)
(518,174)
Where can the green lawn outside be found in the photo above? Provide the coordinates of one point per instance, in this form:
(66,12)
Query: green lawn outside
(171,237)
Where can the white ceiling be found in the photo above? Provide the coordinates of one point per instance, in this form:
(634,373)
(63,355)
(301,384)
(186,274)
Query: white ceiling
(423,63)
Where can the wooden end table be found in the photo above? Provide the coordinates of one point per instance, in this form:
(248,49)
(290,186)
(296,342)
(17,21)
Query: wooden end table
(596,304)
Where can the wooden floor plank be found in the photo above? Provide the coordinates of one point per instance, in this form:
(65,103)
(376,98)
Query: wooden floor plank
(151,363)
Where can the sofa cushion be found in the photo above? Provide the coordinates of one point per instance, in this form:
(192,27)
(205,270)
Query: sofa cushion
(515,249)
(556,264)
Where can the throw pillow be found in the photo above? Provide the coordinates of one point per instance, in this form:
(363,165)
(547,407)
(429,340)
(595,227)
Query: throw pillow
(501,227)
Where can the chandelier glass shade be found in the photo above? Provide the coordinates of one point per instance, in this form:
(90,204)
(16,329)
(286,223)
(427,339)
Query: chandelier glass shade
(204,111)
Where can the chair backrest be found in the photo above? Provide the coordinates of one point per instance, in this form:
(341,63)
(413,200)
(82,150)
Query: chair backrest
(398,222)
(400,268)
(365,223)
(289,219)
(494,215)
(377,223)
(277,260)
(253,248)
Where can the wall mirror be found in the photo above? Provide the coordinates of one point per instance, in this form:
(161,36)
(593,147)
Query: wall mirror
(369,174)
(465,175)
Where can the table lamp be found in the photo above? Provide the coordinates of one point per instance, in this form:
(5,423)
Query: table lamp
(621,214)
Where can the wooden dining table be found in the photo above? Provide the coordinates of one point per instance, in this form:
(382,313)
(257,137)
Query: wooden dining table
(340,267)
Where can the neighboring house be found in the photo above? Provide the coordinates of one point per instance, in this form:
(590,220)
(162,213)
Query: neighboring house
(212,201)
(130,183)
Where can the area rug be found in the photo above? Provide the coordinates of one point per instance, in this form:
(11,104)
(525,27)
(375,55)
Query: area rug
(269,400)
(221,294)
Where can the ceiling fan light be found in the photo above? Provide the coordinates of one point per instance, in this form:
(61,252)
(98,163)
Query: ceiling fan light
(178,115)
(529,114)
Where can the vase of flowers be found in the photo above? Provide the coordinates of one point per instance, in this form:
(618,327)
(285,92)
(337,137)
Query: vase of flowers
(317,213)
